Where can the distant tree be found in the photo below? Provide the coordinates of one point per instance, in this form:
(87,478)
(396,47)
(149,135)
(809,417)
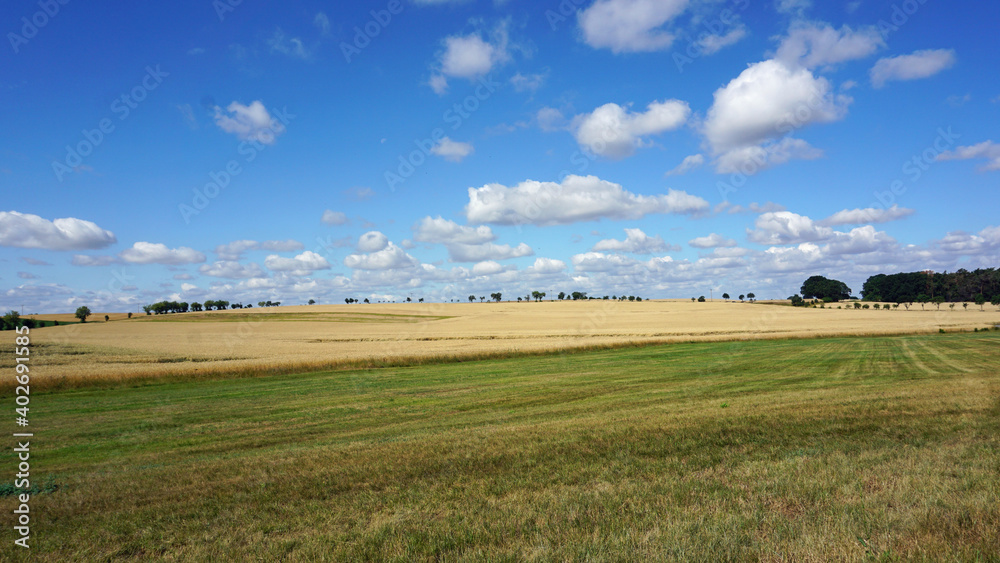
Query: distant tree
(725,296)
(951,306)
(579,295)
(701,299)
(496,296)
(965,306)
(638,299)
(410,300)
(995,301)
(312,302)
(369,302)
(631,297)
(261,304)
(106,318)
(82,313)
(249,305)
(819,287)
(796,300)
(12,319)
(148,309)
(472,298)
(751,296)
(518,299)
(741,297)
(857,305)
(130,315)
(196,306)
(937,300)
(980,300)
(536,295)
(876,306)
(221,305)
(561,296)
(865,306)
(421,300)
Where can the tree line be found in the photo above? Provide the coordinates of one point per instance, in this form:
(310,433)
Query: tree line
(929,287)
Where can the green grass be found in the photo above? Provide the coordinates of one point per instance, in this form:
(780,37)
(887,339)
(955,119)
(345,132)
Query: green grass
(827,449)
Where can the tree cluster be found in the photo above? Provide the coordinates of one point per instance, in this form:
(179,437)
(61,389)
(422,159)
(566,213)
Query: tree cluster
(928,287)
(827,290)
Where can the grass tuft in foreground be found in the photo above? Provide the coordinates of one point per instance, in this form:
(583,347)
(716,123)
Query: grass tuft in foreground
(837,449)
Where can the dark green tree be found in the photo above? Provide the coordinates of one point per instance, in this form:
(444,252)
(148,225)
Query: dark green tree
(819,287)
(82,313)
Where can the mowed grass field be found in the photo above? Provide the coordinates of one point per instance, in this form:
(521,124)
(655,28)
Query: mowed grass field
(309,338)
(852,448)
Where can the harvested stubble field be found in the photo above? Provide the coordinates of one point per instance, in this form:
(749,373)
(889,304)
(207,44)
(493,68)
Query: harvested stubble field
(834,449)
(290,339)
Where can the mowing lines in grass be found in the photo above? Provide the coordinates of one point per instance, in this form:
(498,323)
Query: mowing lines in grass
(22,513)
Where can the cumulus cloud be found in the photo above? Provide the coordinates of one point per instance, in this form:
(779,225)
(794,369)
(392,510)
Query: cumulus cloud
(986,150)
(453,151)
(334,218)
(630,25)
(372,241)
(615,132)
(235,250)
(157,253)
(439,230)
(785,227)
(636,242)
(546,267)
(389,258)
(231,269)
(550,119)
(814,45)
(249,123)
(487,268)
(577,198)
(713,240)
(469,56)
(713,43)
(920,64)
(866,216)
(487,251)
(302,265)
(24,230)
(764,103)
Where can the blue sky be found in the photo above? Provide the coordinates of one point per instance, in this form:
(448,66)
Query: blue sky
(290,151)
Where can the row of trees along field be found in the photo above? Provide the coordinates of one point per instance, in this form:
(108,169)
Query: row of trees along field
(926,287)
(165,307)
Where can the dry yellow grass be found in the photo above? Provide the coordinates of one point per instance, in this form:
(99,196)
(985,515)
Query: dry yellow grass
(297,338)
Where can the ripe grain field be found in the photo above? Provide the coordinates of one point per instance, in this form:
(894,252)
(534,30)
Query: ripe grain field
(850,448)
(295,339)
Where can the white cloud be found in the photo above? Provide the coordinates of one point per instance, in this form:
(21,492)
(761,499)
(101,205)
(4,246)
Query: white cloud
(785,227)
(157,253)
(813,45)
(866,216)
(236,249)
(764,103)
(249,123)
(577,198)
(713,240)
(334,218)
(291,46)
(470,57)
(24,230)
(546,267)
(443,231)
(302,265)
(486,251)
(372,241)
(793,7)
(390,258)
(83,260)
(615,132)
(688,164)
(987,150)
(635,241)
(231,269)
(487,268)
(920,64)
(550,119)
(712,43)
(630,25)
(527,83)
(453,151)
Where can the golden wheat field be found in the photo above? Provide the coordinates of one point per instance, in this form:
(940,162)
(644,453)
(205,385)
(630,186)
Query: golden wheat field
(299,338)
